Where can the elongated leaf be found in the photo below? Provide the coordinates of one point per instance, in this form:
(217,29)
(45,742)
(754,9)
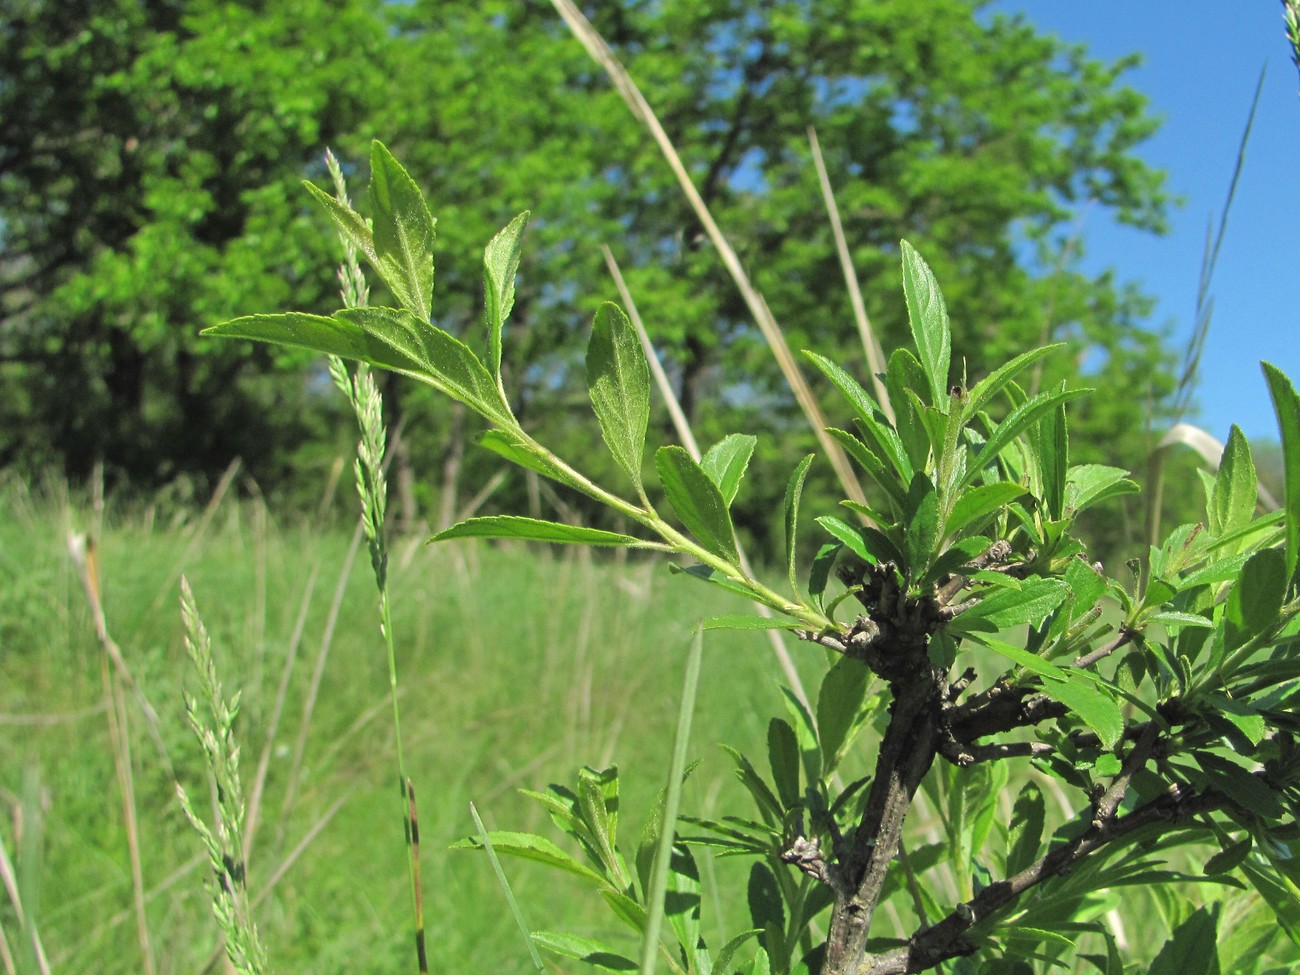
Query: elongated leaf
(331,336)
(806,731)
(585,950)
(1192,949)
(869,415)
(618,379)
(1249,790)
(1016,422)
(1236,486)
(928,317)
(507,445)
(697,501)
(846,533)
(1089,484)
(725,462)
(533,530)
(1256,600)
(886,478)
(975,504)
(783,759)
(908,387)
(923,529)
(1077,691)
(449,363)
(403,232)
(527,846)
(1052,448)
(749,623)
(1011,607)
(1281,895)
(839,707)
(1027,820)
(352,225)
(598,802)
(793,491)
(500,265)
(1286,404)
(706,574)
(982,393)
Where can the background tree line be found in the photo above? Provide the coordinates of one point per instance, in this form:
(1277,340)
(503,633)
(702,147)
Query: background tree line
(151,151)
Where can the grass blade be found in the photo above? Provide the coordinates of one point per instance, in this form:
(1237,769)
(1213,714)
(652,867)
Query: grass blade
(505,889)
(672,801)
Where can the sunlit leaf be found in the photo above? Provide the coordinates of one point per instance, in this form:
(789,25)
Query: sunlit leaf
(618,380)
(697,501)
(1235,487)
(529,847)
(928,318)
(403,231)
(725,462)
(500,265)
(1286,404)
(533,530)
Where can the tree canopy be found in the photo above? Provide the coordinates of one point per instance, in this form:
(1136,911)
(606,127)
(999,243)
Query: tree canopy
(149,153)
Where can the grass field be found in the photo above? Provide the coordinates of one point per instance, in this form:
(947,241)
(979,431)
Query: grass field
(517,667)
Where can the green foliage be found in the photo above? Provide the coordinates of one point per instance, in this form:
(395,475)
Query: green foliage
(181,133)
(1165,704)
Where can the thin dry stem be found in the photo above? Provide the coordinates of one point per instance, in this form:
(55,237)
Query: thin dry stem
(604,56)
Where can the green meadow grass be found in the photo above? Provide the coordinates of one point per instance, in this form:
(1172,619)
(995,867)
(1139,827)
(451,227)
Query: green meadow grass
(517,666)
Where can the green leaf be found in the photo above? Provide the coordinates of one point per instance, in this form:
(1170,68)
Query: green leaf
(922,537)
(1193,947)
(585,950)
(783,759)
(1016,422)
(527,846)
(928,317)
(806,731)
(500,265)
(350,223)
(1286,404)
(905,379)
(618,379)
(403,232)
(450,364)
(869,415)
(1232,503)
(1089,484)
(749,623)
(725,463)
(708,574)
(886,478)
(697,501)
(1027,819)
(1052,445)
(598,801)
(317,333)
(983,391)
(839,708)
(975,504)
(1230,857)
(1244,787)
(1077,691)
(533,530)
(793,491)
(846,533)
(1012,607)
(722,963)
(1281,895)
(509,446)
(1255,602)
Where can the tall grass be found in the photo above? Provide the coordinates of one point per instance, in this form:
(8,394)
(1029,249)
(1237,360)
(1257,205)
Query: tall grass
(517,666)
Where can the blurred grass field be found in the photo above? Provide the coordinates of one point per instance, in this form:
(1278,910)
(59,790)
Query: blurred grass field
(517,666)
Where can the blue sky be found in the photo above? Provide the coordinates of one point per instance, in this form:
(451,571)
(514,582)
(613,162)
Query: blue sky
(1201,60)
